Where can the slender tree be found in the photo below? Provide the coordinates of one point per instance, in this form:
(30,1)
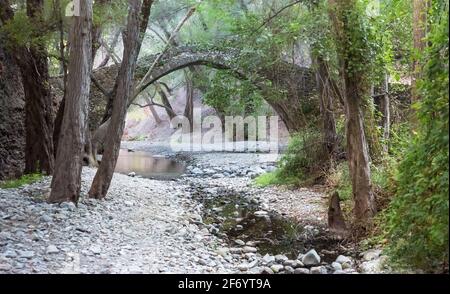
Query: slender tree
(352,52)
(66,182)
(124,89)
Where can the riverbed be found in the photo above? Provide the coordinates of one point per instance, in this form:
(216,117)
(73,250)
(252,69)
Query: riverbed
(211,218)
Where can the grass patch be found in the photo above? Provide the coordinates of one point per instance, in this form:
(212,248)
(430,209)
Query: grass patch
(23,180)
(274,178)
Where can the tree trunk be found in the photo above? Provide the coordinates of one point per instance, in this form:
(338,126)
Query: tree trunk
(189,108)
(165,101)
(358,154)
(323,82)
(124,88)
(344,18)
(420,8)
(384,106)
(66,182)
(38,100)
(153,111)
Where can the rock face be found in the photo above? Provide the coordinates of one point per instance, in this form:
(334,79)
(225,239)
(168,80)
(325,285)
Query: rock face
(12,115)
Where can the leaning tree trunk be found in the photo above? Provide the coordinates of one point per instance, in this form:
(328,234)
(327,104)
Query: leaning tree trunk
(124,88)
(66,182)
(346,24)
(38,100)
(165,101)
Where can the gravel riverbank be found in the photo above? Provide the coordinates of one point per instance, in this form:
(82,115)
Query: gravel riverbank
(150,226)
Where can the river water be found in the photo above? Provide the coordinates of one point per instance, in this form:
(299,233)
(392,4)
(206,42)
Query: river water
(147,165)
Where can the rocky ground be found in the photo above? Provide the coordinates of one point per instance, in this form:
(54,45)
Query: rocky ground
(150,226)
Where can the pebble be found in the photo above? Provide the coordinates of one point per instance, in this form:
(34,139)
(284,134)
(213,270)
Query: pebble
(26,254)
(281,258)
(95,249)
(5,267)
(51,249)
(267,270)
(289,269)
(336,266)
(249,249)
(301,270)
(276,267)
(311,258)
(46,218)
(239,242)
(10,253)
(318,270)
(223,251)
(268,258)
(371,254)
(343,259)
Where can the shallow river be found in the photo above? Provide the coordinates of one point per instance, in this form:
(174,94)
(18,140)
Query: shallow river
(146,165)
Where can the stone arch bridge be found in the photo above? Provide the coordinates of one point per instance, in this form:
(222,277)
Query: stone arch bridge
(297,84)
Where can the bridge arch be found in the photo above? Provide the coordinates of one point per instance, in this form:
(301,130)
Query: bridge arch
(298,82)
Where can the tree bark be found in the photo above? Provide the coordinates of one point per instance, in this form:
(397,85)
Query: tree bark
(124,88)
(12,116)
(38,100)
(323,82)
(66,182)
(358,154)
(343,16)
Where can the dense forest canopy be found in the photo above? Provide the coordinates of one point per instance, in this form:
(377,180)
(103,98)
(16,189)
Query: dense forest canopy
(361,86)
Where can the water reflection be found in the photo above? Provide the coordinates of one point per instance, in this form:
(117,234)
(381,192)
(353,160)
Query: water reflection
(146,165)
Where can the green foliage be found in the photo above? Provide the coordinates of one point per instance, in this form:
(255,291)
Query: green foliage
(304,156)
(232,96)
(274,179)
(23,180)
(302,163)
(417,220)
(338,179)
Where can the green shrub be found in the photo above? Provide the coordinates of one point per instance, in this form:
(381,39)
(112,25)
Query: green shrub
(23,180)
(417,220)
(302,163)
(305,157)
